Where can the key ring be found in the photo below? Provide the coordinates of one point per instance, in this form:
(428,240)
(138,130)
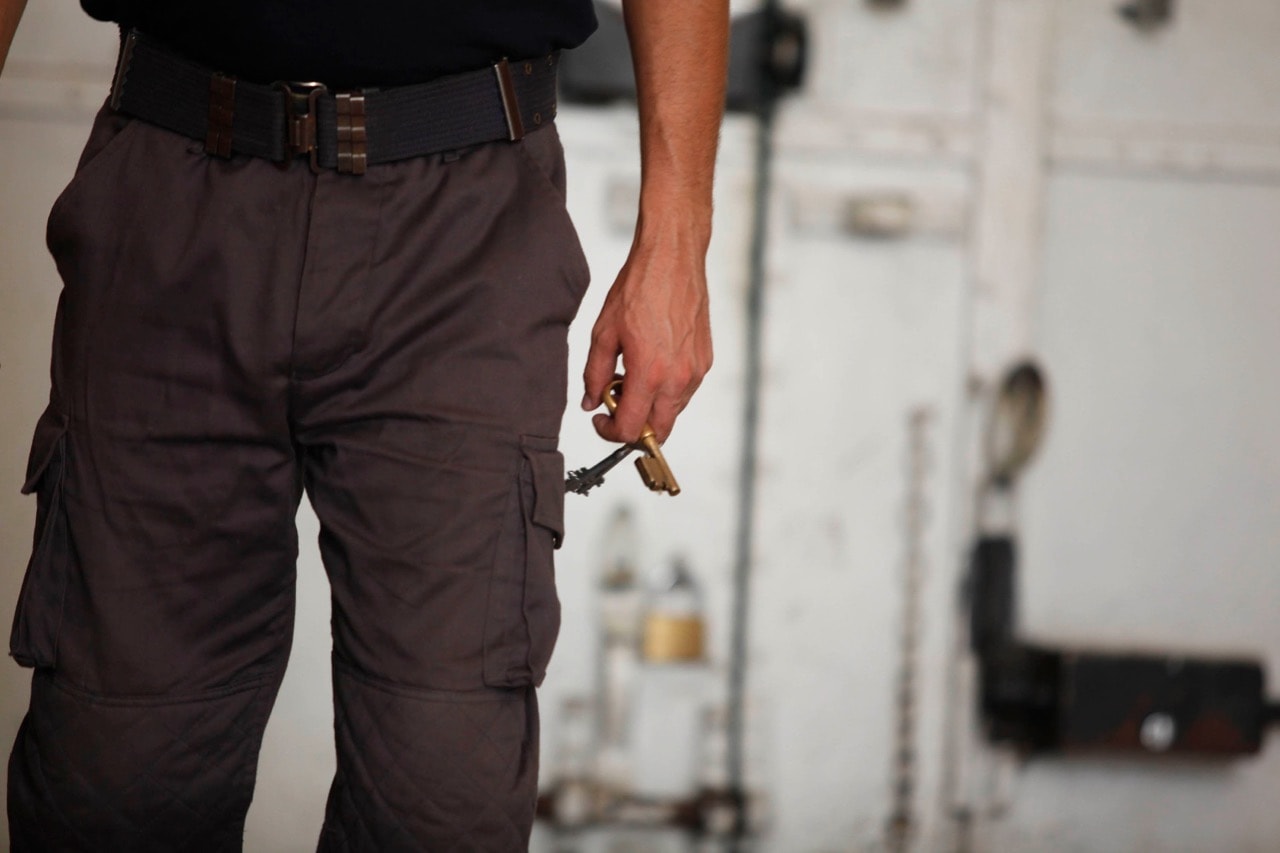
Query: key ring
(653,467)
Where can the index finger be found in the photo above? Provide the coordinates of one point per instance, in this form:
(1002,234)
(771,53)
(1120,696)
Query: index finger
(627,421)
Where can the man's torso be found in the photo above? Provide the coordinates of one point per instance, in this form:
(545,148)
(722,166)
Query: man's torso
(346,43)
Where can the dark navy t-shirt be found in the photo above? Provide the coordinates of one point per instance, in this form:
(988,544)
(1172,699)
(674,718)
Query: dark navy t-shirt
(349,43)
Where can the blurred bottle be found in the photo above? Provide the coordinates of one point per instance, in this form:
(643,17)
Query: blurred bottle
(720,810)
(674,625)
(570,803)
(621,611)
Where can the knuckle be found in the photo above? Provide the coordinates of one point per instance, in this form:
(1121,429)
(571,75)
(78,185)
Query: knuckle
(601,338)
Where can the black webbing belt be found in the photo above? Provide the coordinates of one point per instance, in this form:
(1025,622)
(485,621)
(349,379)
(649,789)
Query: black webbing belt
(344,130)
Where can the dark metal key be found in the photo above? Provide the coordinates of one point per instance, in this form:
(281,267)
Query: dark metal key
(584,480)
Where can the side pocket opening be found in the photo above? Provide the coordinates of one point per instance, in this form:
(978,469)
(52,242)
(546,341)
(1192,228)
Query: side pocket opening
(522,627)
(108,135)
(33,642)
(541,156)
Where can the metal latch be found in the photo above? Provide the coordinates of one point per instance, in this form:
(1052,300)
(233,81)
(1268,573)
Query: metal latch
(301,113)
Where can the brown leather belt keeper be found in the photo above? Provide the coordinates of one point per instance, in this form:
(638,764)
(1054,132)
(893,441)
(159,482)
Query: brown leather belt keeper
(222,109)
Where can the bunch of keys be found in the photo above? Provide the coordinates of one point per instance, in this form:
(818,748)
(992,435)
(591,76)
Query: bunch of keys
(652,466)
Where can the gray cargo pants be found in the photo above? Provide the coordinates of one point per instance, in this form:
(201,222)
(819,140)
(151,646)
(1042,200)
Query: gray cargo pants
(229,334)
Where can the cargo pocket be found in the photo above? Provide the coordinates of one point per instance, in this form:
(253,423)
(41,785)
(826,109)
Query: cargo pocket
(34,639)
(522,618)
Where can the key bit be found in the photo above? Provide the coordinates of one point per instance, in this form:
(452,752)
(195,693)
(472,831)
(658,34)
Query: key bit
(584,480)
(652,466)
(657,474)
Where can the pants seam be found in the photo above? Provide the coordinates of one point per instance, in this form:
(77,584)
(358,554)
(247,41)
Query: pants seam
(160,700)
(428,694)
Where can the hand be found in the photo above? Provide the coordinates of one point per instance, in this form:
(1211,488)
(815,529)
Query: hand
(656,318)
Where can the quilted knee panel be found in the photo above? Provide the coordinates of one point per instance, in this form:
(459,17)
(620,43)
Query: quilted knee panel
(445,771)
(148,776)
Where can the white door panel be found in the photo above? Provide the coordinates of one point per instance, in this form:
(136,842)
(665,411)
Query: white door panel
(898,80)
(859,333)
(1152,518)
(1154,514)
(1214,65)
(916,58)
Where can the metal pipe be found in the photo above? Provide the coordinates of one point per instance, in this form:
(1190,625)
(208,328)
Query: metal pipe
(747,470)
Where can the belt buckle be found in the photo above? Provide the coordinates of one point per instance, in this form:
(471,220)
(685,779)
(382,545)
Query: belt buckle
(300,117)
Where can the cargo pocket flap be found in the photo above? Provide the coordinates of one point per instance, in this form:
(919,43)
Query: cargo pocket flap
(547,465)
(38,617)
(45,447)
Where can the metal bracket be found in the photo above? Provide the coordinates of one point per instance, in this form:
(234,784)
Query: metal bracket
(1049,700)
(1147,14)
(767,58)
(1055,700)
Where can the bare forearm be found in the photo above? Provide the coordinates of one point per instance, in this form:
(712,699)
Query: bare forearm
(656,316)
(680,50)
(10,14)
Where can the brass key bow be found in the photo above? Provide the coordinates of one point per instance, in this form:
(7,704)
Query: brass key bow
(652,466)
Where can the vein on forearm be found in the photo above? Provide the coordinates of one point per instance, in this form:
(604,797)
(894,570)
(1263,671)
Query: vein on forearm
(680,51)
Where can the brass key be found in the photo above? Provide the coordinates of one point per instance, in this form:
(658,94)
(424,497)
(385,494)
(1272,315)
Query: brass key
(652,466)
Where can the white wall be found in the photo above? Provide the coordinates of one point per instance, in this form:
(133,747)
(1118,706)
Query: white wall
(1104,198)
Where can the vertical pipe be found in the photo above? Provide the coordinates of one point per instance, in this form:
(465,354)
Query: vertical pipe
(747,471)
(901,829)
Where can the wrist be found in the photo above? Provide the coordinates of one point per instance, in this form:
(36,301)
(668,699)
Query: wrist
(674,222)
